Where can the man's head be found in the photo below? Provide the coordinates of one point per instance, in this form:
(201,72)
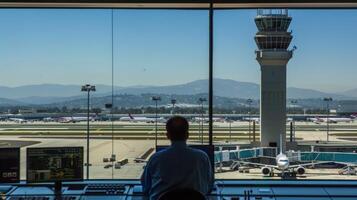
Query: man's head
(177,129)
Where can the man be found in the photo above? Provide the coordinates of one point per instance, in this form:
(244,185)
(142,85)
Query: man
(178,166)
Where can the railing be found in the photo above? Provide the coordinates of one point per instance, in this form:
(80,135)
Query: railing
(233,155)
(272,12)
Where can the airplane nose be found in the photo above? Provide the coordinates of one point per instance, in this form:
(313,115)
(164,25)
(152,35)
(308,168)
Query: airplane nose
(282,165)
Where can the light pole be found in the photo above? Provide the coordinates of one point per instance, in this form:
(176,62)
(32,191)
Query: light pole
(292,137)
(328,100)
(173,102)
(230,130)
(109,106)
(249,101)
(201,100)
(88,88)
(156,99)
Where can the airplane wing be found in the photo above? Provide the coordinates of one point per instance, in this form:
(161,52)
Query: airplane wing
(256,164)
(309,164)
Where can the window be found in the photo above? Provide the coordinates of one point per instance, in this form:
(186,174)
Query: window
(148,65)
(320,67)
(49,54)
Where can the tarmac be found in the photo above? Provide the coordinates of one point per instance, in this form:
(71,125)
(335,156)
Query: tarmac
(101,147)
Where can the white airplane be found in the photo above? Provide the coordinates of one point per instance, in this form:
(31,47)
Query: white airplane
(141,119)
(282,165)
(256,119)
(289,119)
(48,119)
(18,120)
(73,119)
(333,120)
(206,119)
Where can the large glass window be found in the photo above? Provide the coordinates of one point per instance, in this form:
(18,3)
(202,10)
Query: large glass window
(320,99)
(145,65)
(148,65)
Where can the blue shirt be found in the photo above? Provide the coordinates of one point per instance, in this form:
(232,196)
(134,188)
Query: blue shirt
(178,166)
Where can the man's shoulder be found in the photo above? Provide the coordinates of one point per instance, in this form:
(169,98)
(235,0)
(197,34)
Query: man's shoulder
(157,155)
(199,153)
(189,151)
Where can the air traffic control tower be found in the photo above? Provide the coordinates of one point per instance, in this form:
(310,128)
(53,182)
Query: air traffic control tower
(273,40)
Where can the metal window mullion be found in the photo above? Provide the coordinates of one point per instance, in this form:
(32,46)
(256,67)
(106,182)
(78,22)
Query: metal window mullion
(210,84)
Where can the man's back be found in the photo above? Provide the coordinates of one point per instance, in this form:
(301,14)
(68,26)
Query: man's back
(177,167)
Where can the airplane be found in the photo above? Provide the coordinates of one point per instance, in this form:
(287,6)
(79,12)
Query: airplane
(48,119)
(73,119)
(333,120)
(18,120)
(141,119)
(206,119)
(256,119)
(289,119)
(282,165)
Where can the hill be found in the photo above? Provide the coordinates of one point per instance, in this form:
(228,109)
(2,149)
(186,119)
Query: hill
(55,93)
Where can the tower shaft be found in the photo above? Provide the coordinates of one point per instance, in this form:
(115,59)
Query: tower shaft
(273,95)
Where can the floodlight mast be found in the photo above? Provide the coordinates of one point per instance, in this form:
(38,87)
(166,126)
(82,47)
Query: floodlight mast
(249,101)
(201,100)
(328,100)
(292,123)
(173,102)
(88,88)
(156,99)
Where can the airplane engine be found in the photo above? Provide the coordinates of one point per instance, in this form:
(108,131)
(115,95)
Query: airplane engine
(300,170)
(266,170)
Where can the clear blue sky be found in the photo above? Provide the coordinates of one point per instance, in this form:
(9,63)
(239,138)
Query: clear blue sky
(161,47)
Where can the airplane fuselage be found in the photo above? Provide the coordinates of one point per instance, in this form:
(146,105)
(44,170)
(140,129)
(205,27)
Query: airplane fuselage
(282,162)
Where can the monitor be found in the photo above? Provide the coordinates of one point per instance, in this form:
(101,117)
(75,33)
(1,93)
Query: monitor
(208,149)
(9,165)
(53,164)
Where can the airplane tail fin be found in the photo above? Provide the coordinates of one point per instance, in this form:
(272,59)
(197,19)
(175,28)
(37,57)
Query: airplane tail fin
(131,117)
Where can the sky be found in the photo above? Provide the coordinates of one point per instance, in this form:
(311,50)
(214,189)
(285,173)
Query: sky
(166,47)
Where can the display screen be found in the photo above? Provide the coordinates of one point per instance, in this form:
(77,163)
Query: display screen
(54,164)
(9,165)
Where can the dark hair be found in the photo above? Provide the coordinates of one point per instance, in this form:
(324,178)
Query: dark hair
(177,128)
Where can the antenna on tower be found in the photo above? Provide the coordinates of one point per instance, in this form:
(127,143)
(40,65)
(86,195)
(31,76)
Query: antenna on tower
(294,48)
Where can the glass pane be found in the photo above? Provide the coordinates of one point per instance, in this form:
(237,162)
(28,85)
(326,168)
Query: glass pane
(310,102)
(161,70)
(51,53)
(45,59)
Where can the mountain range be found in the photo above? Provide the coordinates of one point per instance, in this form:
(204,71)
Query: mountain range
(55,93)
